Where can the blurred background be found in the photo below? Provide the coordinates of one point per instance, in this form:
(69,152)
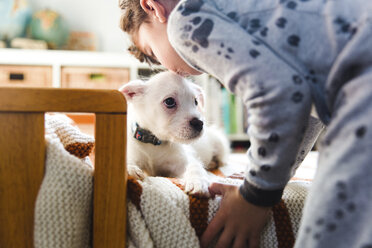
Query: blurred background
(83,24)
(78,44)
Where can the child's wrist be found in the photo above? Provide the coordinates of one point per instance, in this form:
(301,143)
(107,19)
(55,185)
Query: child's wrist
(260,197)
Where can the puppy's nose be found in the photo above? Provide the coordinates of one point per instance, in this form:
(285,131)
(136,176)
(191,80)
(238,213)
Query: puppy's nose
(196,124)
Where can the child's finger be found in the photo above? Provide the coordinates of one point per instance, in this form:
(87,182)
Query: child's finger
(213,229)
(226,238)
(216,189)
(254,242)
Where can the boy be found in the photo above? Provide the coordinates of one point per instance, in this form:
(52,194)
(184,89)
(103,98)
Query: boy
(280,57)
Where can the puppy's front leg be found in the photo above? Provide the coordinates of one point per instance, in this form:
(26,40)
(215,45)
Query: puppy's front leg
(196,178)
(135,171)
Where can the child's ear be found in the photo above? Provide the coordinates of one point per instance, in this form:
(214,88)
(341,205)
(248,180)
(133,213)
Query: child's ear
(154,9)
(133,89)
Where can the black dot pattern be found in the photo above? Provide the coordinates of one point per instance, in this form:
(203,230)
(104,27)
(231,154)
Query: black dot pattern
(320,222)
(297,97)
(196,20)
(254,53)
(262,151)
(327,225)
(341,185)
(200,35)
(187,28)
(345,27)
(294,40)
(232,15)
(264,31)
(274,137)
(361,131)
(266,168)
(281,22)
(342,196)
(316,236)
(331,227)
(255,23)
(291,5)
(191,6)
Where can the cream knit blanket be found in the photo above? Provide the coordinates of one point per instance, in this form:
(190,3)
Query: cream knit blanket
(63,210)
(160,214)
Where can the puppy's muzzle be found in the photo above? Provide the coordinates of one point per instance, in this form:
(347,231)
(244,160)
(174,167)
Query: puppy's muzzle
(196,124)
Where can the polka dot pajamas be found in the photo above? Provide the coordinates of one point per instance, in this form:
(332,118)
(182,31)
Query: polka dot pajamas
(282,57)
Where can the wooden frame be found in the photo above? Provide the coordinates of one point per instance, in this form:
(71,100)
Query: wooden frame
(22,158)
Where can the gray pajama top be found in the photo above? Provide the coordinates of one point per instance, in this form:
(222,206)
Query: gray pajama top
(281,57)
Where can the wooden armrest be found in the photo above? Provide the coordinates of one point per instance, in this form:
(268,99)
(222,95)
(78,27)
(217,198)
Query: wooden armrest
(22,159)
(61,100)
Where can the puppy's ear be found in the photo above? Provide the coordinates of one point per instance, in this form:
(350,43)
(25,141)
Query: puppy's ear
(199,95)
(133,89)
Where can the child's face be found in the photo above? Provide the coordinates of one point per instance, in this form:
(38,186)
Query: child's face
(152,39)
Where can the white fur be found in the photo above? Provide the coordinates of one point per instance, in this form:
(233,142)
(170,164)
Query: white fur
(185,152)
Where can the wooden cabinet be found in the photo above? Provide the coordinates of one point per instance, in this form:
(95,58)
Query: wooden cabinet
(25,76)
(71,76)
(94,77)
(68,69)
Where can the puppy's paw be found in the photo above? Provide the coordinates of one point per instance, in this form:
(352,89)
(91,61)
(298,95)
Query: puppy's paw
(197,186)
(136,172)
(214,164)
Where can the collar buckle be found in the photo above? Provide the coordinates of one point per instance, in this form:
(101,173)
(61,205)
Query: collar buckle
(145,136)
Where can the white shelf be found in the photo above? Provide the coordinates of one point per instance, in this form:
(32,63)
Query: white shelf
(68,58)
(59,58)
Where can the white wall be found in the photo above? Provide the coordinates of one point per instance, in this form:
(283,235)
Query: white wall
(98,16)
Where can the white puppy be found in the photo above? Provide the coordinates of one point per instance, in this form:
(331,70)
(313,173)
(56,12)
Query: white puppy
(166,132)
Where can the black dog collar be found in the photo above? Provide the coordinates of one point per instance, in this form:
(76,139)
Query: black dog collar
(145,136)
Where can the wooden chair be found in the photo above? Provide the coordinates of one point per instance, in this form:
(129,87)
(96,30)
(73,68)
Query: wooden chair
(22,159)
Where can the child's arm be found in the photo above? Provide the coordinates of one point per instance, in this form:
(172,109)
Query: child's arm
(276,93)
(279,102)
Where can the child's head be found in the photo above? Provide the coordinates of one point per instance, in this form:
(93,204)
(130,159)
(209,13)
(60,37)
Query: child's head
(146,23)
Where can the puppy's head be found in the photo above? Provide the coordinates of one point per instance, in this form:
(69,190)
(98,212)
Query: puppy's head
(168,105)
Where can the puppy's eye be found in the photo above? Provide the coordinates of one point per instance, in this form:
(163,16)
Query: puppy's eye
(196,102)
(170,102)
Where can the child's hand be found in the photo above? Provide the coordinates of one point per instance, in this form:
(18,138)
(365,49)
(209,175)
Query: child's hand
(238,222)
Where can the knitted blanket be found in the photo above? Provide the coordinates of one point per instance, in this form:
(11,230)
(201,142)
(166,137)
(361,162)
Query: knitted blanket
(159,214)
(63,210)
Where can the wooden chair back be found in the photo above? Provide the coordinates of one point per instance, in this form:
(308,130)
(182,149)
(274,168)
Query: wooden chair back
(22,160)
